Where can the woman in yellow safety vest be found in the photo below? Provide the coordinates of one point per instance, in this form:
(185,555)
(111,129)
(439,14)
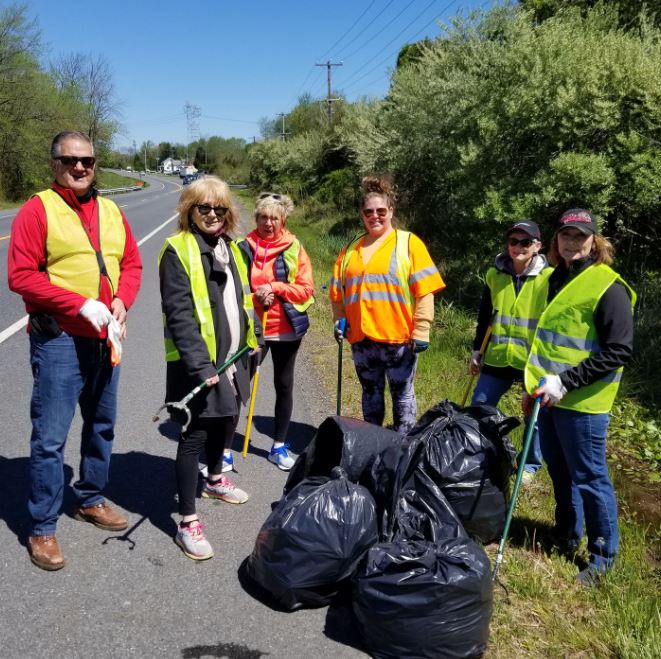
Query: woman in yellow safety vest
(513,300)
(583,339)
(208,317)
(383,284)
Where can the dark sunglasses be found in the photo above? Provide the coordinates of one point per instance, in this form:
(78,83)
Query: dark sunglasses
(266,195)
(71,161)
(524,242)
(205,209)
(368,212)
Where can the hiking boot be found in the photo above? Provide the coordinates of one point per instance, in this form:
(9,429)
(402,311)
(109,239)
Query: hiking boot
(228,462)
(224,490)
(566,546)
(280,456)
(103,516)
(590,577)
(190,537)
(45,552)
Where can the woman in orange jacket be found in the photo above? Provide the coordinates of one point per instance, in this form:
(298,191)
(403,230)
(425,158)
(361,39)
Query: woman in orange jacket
(281,280)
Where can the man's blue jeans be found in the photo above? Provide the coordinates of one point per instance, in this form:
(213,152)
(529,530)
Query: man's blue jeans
(574,447)
(67,371)
(488,391)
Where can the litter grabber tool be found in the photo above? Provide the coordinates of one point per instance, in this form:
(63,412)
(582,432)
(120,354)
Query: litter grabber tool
(182,404)
(253,394)
(483,348)
(530,430)
(339,337)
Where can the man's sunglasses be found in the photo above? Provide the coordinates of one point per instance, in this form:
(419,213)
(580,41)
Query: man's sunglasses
(266,195)
(71,161)
(381,212)
(524,242)
(205,209)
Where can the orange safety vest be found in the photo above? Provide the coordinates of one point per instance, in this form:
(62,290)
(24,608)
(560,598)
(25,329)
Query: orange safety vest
(379,297)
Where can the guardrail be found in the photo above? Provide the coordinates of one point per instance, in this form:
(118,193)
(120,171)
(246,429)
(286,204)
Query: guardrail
(130,188)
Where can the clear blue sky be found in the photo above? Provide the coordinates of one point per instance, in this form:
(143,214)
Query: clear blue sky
(236,61)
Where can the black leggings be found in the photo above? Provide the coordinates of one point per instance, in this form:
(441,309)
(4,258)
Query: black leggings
(284,360)
(214,435)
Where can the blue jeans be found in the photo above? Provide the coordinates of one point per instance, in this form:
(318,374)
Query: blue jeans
(574,447)
(69,370)
(488,391)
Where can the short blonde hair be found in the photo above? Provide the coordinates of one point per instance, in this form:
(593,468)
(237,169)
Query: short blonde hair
(602,250)
(209,189)
(274,205)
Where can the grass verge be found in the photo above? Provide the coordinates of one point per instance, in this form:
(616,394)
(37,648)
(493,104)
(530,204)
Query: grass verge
(546,613)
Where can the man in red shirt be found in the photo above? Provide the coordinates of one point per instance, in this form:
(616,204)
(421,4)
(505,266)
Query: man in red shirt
(73,259)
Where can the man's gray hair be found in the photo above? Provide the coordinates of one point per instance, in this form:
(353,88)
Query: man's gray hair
(67,135)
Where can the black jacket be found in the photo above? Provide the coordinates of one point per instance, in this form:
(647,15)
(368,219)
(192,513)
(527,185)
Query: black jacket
(195,365)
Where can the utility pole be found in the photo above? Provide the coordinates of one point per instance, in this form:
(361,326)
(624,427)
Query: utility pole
(283,134)
(192,113)
(328,64)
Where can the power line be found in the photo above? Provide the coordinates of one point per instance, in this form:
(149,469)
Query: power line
(351,28)
(329,65)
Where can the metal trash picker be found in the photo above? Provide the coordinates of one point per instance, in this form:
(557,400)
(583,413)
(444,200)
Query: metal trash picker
(182,405)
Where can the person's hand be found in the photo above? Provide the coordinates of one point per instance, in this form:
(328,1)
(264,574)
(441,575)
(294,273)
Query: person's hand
(552,391)
(339,328)
(96,313)
(213,380)
(118,310)
(419,346)
(262,293)
(475,363)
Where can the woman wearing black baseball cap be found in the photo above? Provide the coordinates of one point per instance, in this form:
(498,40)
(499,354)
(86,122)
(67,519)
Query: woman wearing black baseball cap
(583,339)
(512,301)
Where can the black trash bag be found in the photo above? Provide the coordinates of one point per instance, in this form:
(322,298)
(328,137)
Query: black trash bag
(468,455)
(313,540)
(418,599)
(342,441)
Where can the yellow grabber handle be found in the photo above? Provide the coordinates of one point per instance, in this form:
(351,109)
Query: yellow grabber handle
(253,394)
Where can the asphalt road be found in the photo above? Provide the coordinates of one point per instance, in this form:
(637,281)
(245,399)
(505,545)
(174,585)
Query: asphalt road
(135,594)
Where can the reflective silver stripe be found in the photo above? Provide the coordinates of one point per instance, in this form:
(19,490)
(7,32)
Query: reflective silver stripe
(392,267)
(353,281)
(421,274)
(564,341)
(383,295)
(530,323)
(335,282)
(516,340)
(548,364)
(382,279)
(352,299)
(246,289)
(615,376)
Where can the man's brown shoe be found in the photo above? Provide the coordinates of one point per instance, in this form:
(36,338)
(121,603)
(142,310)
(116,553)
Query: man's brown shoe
(103,516)
(45,552)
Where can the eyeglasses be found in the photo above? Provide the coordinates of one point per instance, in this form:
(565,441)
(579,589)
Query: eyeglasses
(266,195)
(205,209)
(71,161)
(381,212)
(524,242)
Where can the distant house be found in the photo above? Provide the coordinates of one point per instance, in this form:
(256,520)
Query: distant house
(170,166)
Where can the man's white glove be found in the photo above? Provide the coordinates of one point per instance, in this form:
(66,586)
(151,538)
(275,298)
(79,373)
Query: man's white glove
(97,313)
(475,364)
(552,388)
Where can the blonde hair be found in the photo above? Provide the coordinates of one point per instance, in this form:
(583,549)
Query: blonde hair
(209,189)
(378,186)
(602,250)
(274,204)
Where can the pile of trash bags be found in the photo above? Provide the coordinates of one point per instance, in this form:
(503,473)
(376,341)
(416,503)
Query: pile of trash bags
(396,521)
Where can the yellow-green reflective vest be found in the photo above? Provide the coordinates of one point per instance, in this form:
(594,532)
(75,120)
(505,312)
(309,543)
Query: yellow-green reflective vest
(71,261)
(513,326)
(566,335)
(290,259)
(185,245)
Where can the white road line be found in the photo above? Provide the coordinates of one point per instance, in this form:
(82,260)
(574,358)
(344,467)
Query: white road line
(20,324)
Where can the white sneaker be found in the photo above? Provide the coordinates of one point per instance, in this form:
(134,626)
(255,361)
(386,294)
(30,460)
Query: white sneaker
(192,541)
(224,490)
(280,456)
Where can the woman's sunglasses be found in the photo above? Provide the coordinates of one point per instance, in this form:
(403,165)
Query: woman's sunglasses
(266,195)
(205,209)
(368,212)
(524,242)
